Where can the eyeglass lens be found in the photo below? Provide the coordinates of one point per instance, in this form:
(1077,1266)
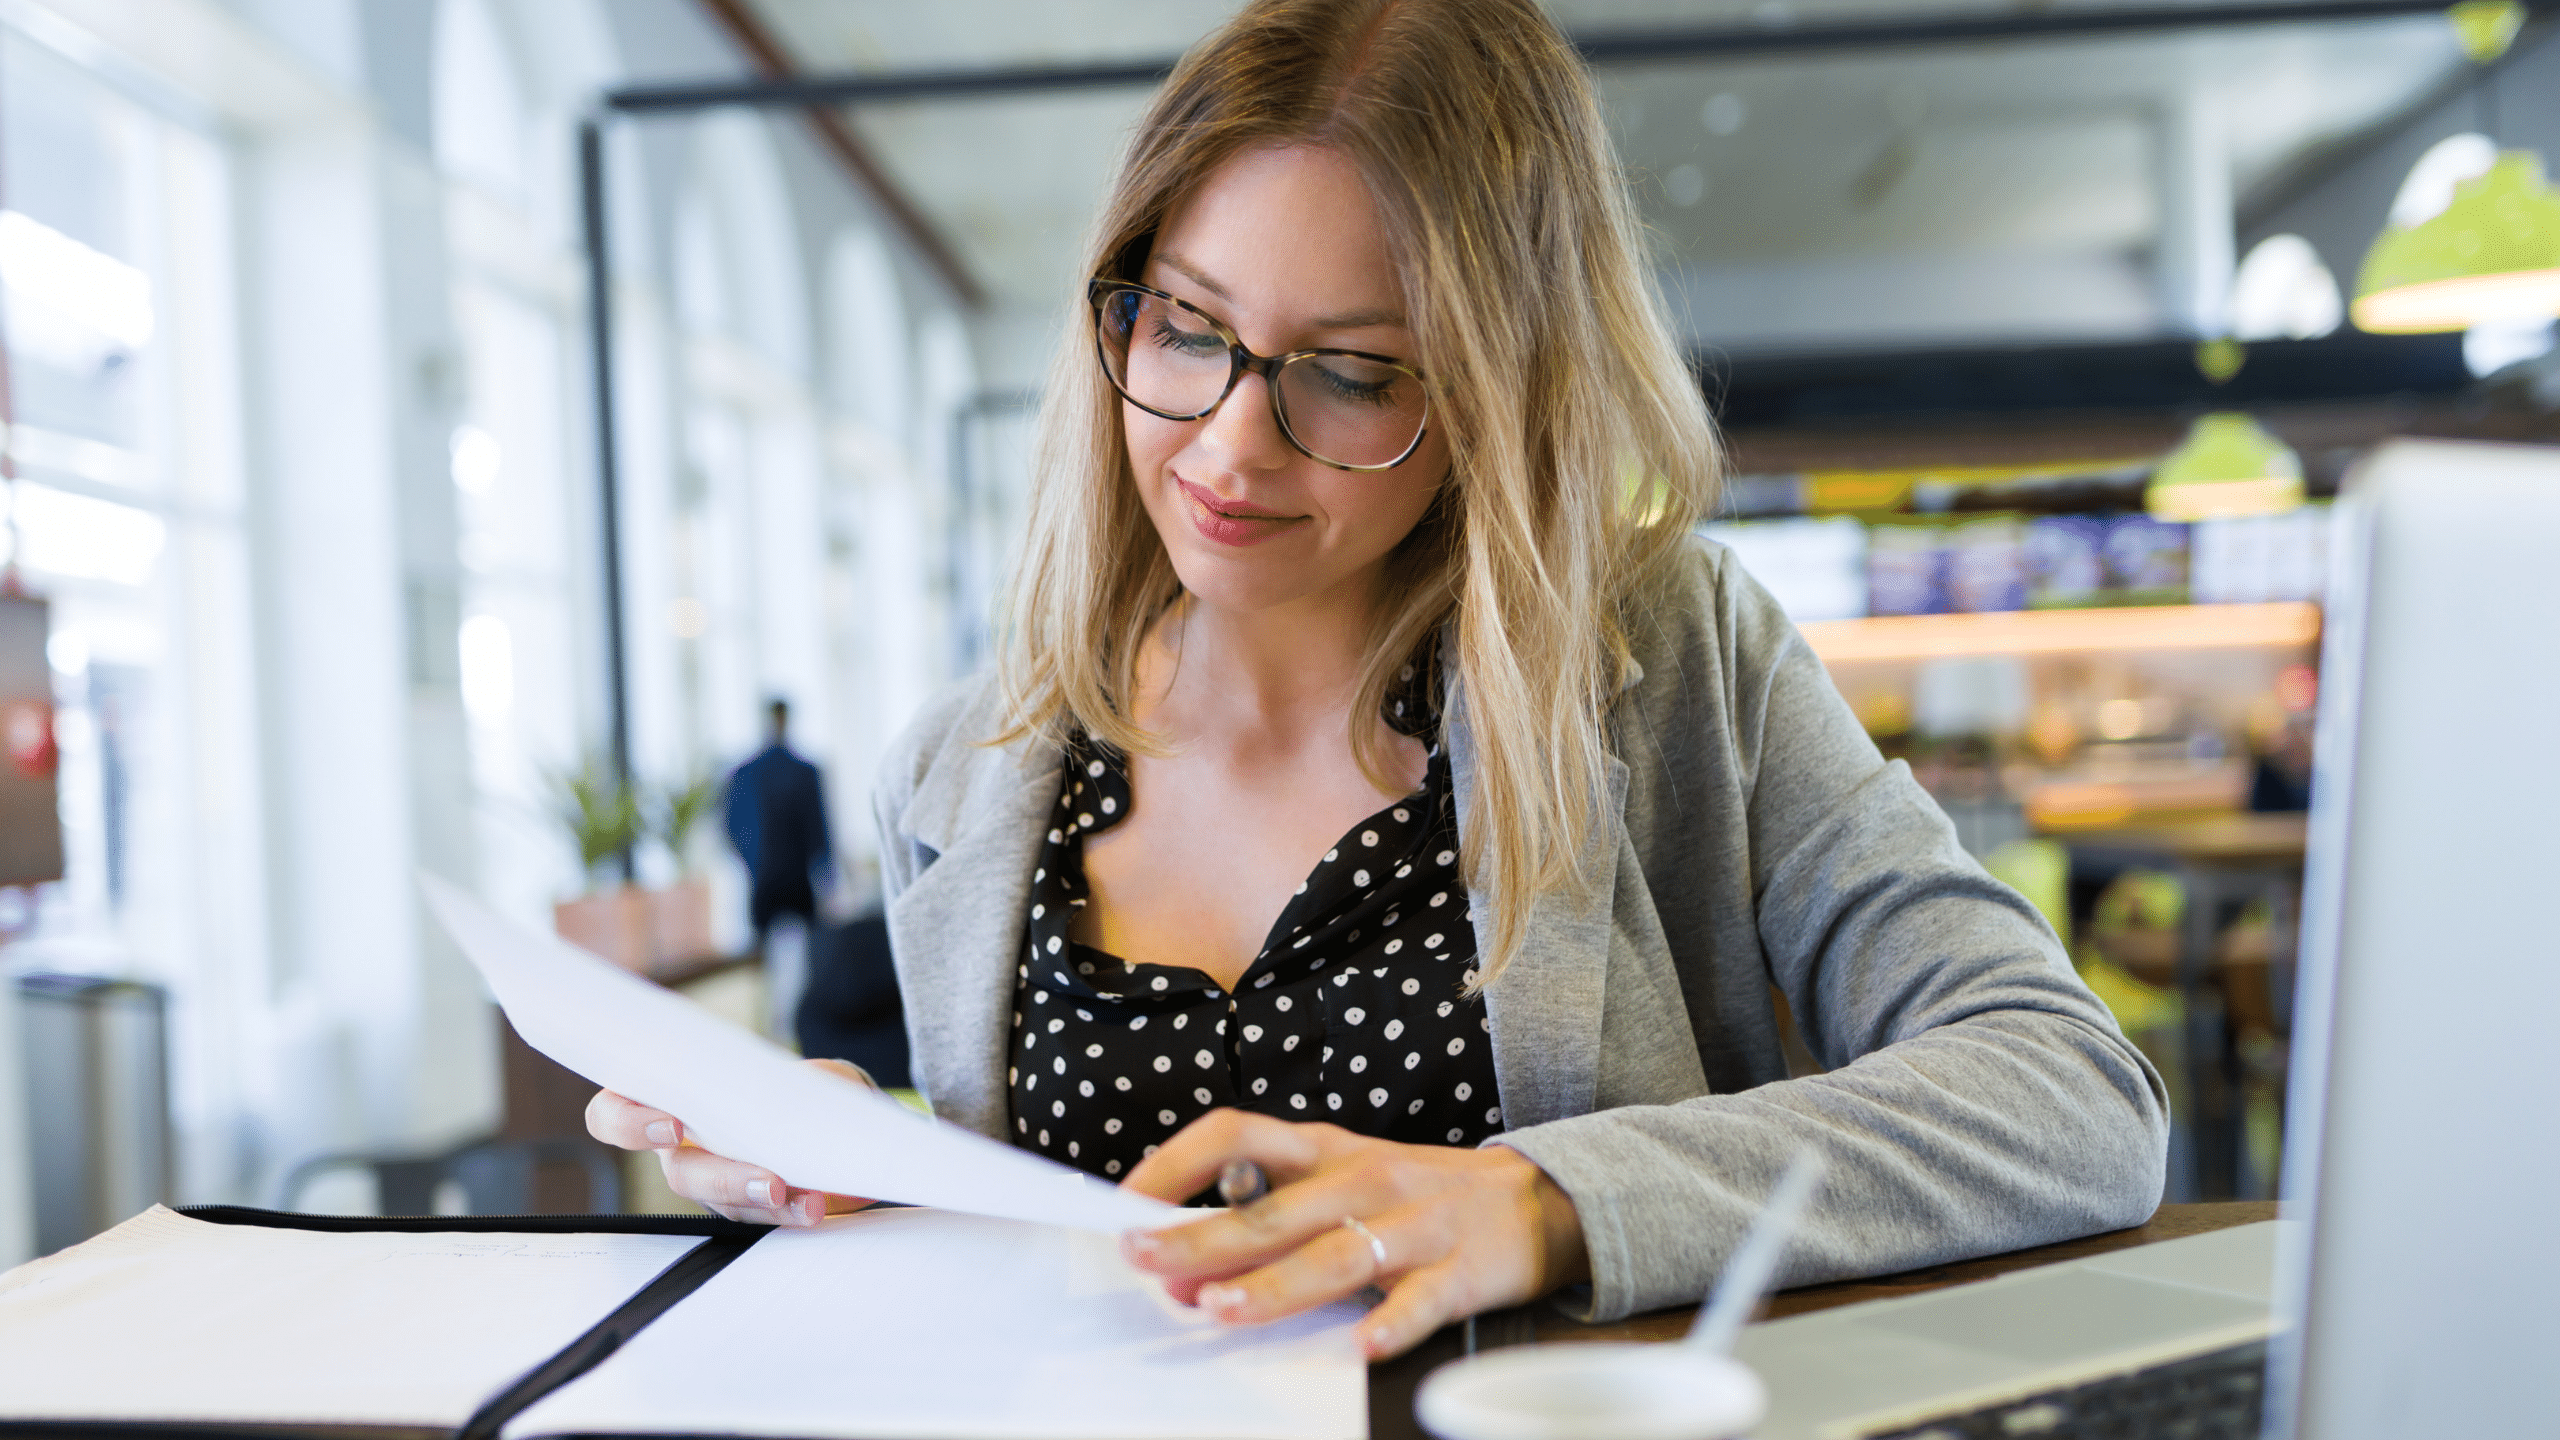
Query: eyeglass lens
(1170,358)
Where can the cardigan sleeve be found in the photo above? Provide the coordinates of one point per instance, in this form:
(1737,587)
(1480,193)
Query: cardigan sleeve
(1978,1097)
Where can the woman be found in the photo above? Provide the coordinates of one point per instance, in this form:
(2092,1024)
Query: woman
(1360,593)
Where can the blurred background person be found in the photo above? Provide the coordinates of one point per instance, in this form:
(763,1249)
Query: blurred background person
(828,981)
(777,819)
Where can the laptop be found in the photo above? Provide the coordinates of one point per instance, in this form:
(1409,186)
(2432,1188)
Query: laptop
(2415,1287)
(2037,1352)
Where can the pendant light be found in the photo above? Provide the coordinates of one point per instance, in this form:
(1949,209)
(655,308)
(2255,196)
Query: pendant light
(2228,466)
(2491,256)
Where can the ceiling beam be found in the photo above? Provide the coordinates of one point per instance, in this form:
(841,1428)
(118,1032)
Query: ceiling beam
(1629,47)
(893,85)
(837,137)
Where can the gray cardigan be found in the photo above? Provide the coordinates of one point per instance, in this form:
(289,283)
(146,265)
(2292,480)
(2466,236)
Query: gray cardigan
(1977,1098)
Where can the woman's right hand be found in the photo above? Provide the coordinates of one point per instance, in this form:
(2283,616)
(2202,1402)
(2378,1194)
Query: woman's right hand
(731,1189)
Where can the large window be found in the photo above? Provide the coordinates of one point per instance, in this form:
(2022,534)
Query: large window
(128,516)
(739,611)
(521,660)
(529,672)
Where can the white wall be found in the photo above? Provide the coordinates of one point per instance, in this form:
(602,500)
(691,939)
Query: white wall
(1953,298)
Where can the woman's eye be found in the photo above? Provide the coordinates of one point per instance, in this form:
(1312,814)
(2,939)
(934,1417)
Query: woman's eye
(1170,336)
(1375,386)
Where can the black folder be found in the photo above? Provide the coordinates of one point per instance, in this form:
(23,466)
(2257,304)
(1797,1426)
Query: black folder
(725,1240)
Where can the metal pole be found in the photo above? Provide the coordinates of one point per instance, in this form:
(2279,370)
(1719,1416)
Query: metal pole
(682,97)
(1736,42)
(591,195)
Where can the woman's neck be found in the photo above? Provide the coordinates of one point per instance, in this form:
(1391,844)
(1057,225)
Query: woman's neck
(1287,674)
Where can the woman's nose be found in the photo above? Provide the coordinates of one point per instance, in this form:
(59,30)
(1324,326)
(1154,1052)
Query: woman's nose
(1243,431)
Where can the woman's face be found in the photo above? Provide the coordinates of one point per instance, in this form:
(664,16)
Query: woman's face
(1284,246)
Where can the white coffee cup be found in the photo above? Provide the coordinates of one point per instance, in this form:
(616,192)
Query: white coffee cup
(1592,1391)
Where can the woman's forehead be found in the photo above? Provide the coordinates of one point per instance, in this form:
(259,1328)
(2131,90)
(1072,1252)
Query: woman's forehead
(1285,235)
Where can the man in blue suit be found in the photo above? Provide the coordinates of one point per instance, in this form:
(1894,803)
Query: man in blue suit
(777,816)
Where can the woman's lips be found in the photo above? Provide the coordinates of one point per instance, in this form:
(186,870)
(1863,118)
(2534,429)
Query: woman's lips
(1233,522)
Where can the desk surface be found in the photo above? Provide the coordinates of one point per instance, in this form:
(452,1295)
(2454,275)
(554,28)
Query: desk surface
(1391,1384)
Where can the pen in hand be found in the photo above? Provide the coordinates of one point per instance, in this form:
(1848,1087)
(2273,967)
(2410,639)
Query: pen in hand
(1240,1183)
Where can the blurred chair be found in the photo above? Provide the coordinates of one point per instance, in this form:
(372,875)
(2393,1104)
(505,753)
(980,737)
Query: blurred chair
(496,1176)
(850,1008)
(2170,896)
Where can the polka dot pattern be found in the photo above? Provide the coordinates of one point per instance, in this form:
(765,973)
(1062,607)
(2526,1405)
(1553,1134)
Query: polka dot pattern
(1354,1012)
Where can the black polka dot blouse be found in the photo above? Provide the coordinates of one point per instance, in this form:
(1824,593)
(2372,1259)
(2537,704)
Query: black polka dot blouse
(1354,1012)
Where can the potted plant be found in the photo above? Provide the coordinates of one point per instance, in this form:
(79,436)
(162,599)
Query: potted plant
(680,914)
(602,816)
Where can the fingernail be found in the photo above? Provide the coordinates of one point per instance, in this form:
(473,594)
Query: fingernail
(813,1208)
(761,1192)
(1140,1244)
(1221,1297)
(662,1132)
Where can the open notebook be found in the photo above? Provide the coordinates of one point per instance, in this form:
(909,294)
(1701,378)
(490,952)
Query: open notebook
(907,1323)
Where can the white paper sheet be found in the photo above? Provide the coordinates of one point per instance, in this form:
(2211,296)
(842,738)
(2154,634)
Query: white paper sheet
(752,1100)
(924,1325)
(170,1318)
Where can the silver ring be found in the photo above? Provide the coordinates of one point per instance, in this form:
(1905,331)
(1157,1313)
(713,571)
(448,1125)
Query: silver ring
(1377,1247)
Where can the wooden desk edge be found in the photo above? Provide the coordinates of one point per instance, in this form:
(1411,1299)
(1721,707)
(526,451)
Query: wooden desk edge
(2169,1222)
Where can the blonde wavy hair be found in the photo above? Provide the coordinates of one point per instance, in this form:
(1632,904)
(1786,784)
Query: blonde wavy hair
(1581,450)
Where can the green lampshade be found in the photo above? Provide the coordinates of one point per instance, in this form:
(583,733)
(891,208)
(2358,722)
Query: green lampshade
(2485,28)
(2227,466)
(2493,255)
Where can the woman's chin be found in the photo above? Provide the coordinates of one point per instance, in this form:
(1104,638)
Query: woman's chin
(1218,587)
(1282,571)
(1243,584)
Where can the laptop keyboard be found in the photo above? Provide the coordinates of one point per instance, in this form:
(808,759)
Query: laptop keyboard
(2205,1397)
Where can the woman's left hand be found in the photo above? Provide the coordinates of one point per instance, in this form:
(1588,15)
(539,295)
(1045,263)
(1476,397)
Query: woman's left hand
(1463,1231)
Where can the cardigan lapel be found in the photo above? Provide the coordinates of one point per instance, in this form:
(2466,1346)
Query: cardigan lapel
(1546,1007)
(954,931)
(956,927)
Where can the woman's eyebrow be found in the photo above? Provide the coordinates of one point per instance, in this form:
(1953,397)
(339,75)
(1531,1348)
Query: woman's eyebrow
(1190,272)
(1358,320)
(1348,320)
